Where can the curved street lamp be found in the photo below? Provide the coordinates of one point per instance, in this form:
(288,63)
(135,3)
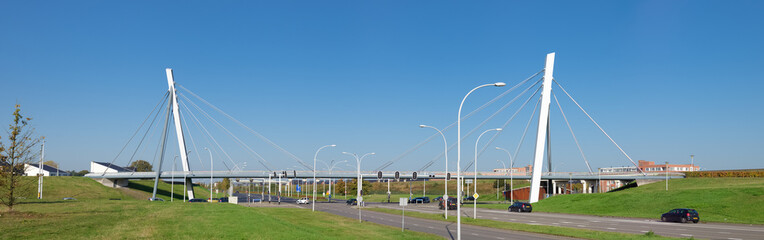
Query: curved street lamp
(511,165)
(445,155)
(314,174)
(459,155)
(358,163)
(474,185)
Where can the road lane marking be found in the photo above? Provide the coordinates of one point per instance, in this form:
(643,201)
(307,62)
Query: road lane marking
(686,235)
(735,238)
(500,238)
(566,222)
(475,234)
(643,231)
(580,226)
(611,228)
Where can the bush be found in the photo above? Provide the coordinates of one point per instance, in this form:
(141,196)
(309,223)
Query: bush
(719,174)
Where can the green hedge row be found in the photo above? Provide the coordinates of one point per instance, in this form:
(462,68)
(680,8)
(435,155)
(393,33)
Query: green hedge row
(718,174)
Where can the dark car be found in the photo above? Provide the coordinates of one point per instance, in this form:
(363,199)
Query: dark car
(223,199)
(420,200)
(352,201)
(437,199)
(197,200)
(682,215)
(469,198)
(451,204)
(520,207)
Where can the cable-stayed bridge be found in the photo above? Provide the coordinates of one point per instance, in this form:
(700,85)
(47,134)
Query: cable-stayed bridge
(180,110)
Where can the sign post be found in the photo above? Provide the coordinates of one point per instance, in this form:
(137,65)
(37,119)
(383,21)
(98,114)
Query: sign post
(403,202)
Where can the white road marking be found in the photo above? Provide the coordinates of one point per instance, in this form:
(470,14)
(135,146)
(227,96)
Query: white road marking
(644,231)
(580,226)
(500,238)
(686,235)
(724,232)
(611,228)
(735,238)
(533,221)
(475,234)
(566,222)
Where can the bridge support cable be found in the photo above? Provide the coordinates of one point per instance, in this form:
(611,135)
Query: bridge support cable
(193,142)
(431,137)
(210,137)
(164,98)
(208,134)
(147,138)
(603,130)
(527,126)
(300,161)
(504,126)
(241,143)
(475,129)
(163,146)
(571,133)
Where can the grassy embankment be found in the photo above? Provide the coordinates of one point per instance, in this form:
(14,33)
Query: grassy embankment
(730,200)
(92,215)
(552,230)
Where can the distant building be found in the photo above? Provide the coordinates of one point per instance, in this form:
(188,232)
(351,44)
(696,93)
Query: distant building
(514,171)
(34,169)
(102,167)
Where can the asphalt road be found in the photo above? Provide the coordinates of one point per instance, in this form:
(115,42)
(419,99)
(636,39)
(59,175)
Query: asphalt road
(609,224)
(445,229)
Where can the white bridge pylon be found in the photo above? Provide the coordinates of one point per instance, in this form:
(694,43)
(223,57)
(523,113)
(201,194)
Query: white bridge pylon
(179,132)
(543,125)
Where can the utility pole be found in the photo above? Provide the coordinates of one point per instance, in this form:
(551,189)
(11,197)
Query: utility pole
(39,175)
(667,176)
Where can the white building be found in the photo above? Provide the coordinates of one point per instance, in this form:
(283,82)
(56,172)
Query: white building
(34,169)
(102,167)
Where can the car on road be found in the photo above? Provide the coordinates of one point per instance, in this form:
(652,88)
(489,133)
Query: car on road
(213,200)
(156,199)
(303,201)
(420,200)
(451,202)
(520,207)
(197,200)
(352,201)
(682,215)
(469,198)
(223,199)
(437,199)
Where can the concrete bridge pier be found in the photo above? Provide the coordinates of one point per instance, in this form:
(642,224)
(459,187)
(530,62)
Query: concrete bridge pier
(113,182)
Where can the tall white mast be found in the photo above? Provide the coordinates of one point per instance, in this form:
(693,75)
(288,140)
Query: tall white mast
(179,131)
(538,161)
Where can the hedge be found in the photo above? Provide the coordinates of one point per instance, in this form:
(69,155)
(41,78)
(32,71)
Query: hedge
(718,174)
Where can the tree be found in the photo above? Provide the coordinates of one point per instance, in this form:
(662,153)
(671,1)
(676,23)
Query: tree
(224,185)
(19,150)
(340,187)
(79,174)
(50,163)
(353,187)
(141,166)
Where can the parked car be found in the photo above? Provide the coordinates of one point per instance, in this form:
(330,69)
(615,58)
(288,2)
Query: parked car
(682,215)
(451,202)
(213,200)
(352,201)
(197,200)
(156,199)
(520,207)
(303,201)
(420,200)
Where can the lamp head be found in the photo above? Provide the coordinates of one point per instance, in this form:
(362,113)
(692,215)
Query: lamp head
(499,129)
(500,84)
(498,148)
(333,145)
(422,125)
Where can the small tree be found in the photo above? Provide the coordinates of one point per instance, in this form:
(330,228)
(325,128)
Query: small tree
(18,151)
(340,187)
(141,166)
(224,185)
(353,187)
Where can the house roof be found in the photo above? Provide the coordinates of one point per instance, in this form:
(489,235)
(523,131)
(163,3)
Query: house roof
(113,166)
(47,168)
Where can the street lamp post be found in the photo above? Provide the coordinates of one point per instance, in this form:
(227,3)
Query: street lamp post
(331,167)
(314,173)
(474,185)
(445,155)
(358,195)
(208,150)
(692,163)
(172,179)
(667,168)
(459,154)
(511,166)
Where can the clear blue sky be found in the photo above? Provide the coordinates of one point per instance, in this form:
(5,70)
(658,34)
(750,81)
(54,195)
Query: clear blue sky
(666,79)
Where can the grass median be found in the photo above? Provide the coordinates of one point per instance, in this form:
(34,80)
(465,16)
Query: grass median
(551,230)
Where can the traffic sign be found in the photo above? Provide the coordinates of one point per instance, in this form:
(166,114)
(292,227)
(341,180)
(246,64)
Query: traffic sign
(298,188)
(475,196)
(445,197)
(360,200)
(379,175)
(448,176)
(403,201)
(413,175)
(397,175)
(468,181)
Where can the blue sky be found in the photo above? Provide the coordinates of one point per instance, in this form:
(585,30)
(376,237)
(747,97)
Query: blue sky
(666,79)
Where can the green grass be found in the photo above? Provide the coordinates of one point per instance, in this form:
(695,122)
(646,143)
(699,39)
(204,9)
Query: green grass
(92,215)
(552,230)
(730,200)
